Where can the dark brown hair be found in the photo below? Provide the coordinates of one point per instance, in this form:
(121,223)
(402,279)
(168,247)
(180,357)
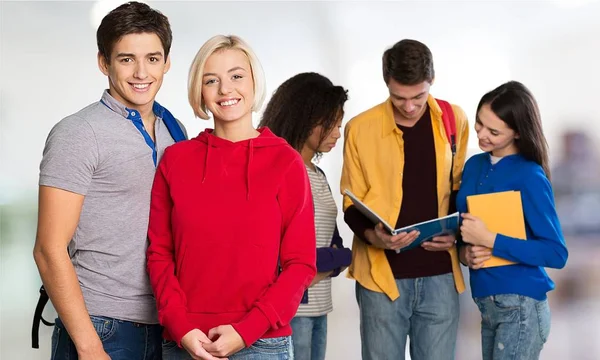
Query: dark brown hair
(302,103)
(514,104)
(408,62)
(132,18)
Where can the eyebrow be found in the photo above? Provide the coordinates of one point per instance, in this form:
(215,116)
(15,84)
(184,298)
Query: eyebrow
(230,70)
(414,97)
(156,53)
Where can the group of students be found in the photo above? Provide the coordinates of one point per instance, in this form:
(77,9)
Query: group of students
(205,248)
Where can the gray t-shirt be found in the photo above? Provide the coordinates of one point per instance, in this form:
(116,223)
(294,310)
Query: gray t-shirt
(98,152)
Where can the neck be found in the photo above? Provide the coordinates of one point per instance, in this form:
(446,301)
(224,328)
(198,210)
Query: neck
(237,130)
(307,155)
(509,150)
(148,117)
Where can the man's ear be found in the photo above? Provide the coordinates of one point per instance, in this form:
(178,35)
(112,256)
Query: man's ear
(167,64)
(517,136)
(432,81)
(102,64)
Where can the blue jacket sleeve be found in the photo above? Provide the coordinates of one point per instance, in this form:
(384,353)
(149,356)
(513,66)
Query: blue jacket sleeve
(333,258)
(545,245)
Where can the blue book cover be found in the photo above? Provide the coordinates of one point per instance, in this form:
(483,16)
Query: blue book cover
(428,229)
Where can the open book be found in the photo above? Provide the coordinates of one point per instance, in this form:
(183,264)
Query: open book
(428,229)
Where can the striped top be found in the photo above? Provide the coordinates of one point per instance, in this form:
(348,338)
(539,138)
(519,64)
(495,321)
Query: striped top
(319,295)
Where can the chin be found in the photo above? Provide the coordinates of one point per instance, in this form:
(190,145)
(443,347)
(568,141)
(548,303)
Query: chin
(228,119)
(485,147)
(141,99)
(412,116)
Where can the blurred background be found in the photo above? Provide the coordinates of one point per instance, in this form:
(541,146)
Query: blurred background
(48,70)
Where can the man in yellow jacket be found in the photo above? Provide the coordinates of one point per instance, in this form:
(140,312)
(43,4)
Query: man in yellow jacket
(399,162)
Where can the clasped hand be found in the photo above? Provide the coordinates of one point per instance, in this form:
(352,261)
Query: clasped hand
(221,342)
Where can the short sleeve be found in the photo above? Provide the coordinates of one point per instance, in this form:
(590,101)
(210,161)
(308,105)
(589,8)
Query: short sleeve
(70,156)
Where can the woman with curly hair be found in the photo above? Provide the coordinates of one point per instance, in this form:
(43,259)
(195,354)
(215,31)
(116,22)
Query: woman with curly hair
(307,110)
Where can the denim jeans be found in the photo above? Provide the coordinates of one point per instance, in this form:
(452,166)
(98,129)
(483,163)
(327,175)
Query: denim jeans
(122,340)
(513,327)
(310,337)
(279,348)
(427,312)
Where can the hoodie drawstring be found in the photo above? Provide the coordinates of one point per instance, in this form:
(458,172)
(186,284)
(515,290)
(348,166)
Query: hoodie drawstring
(250,154)
(206,159)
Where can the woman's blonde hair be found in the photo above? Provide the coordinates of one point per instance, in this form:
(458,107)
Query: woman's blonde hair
(214,44)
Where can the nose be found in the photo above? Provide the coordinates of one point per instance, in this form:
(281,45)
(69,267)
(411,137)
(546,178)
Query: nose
(336,134)
(481,134)
(224,87)
(140,71)
(409,106)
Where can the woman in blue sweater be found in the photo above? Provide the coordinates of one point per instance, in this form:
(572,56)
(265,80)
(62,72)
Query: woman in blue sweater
(512,299)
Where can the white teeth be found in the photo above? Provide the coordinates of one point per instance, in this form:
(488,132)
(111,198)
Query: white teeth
(140,86)
(229,102)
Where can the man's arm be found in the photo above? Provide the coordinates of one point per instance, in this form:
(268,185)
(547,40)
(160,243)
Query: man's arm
(58,215)
(352,179)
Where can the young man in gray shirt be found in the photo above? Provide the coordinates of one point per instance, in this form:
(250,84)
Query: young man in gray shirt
(94,197)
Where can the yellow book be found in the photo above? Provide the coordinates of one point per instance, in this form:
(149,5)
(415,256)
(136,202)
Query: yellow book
(502,213)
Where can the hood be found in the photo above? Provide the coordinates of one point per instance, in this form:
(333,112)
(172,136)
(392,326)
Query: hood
(213,143)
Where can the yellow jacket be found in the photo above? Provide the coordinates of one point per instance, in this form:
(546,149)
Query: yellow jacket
(373,165)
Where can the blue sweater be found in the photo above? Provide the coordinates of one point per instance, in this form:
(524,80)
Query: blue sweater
(545,245)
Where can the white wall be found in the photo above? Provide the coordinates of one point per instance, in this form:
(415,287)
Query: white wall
(48,70)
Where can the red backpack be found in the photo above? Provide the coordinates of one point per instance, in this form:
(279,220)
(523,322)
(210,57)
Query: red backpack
(450,126)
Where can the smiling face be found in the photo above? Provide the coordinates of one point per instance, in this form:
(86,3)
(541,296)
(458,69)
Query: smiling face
(136,69)
(494,134)
(228,86)
(410,101)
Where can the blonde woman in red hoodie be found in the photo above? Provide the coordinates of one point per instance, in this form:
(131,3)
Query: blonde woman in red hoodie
(232,233)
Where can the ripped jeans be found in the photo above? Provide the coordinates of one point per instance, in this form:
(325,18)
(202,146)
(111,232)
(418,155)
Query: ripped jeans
(513,327)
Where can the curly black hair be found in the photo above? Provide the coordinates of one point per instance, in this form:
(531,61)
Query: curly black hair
(302,103)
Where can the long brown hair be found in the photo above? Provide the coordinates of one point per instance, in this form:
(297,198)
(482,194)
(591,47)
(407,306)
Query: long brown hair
(515,105)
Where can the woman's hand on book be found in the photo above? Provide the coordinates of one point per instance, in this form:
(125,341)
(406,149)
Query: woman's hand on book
(474,231)
(380,238)
(475,256)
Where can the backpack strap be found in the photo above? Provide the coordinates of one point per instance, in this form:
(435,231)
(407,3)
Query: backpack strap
(449,121)
(37,318)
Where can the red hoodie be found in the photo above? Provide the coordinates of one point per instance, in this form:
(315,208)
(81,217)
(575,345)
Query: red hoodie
(222,215)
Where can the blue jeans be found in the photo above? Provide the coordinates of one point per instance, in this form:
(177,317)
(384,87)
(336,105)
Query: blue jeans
(427,312)
(122,340)
(310,337)
(513,327)
(279,348)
